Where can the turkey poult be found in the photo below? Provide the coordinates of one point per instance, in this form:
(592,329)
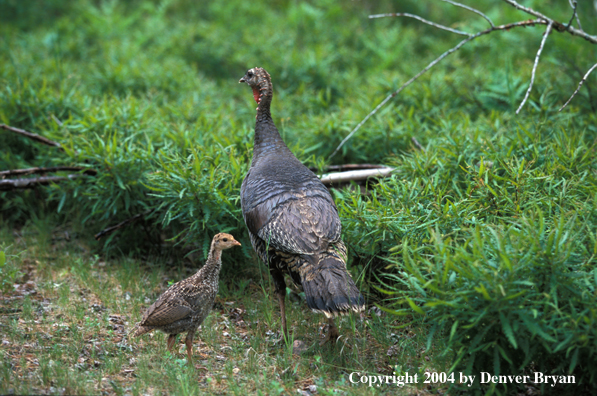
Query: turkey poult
(292,219)
(186,303)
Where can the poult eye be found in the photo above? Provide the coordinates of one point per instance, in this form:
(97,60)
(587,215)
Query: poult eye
(225,239)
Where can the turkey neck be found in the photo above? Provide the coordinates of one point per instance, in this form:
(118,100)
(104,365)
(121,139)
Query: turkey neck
(267,137)
(212,266)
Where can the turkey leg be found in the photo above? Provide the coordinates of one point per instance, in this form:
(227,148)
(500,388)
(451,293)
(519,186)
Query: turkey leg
(171,340)
(280,286)
(333,333)
(281,300)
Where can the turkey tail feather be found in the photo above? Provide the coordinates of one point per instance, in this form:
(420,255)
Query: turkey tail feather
(329,288)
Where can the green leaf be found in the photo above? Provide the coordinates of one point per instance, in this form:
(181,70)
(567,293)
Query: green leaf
(508,330)
(414,306)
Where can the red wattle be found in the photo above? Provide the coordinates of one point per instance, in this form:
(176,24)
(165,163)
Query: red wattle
(256,94)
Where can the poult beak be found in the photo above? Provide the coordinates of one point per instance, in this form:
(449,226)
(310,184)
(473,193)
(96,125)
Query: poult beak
(237,243)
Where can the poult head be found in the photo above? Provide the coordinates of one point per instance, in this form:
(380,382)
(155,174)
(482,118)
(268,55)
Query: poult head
(259,80)
(224,241)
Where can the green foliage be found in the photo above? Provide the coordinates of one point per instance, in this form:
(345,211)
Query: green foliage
(511,300)
(490,234)
(195,193)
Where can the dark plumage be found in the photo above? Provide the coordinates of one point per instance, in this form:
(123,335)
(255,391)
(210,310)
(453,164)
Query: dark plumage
(186,303)
(292,219)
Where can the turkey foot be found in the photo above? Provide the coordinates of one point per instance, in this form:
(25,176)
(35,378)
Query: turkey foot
(333,333)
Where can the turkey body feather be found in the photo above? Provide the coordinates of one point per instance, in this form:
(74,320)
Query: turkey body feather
(185,304)
(292,219)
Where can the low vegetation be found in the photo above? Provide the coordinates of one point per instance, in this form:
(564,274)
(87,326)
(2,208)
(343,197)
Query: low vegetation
(66,323)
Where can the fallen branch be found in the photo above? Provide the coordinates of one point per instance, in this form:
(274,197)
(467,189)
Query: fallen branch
(19,184)
(541,20)
(357,175)
(30,171)
(32,136)
(120,225)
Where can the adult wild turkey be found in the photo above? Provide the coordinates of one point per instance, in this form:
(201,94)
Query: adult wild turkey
(292,219)
(186,303)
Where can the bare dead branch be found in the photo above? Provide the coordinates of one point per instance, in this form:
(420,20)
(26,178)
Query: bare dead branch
(471,9)
(508,26)
(30,171)
(120,225)
(19,184)
(32,136)
(579,85)
(559,26)
(418,18)
(526,96)
(541,20)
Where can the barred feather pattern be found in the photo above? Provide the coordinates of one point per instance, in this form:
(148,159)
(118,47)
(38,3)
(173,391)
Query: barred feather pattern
(185,304)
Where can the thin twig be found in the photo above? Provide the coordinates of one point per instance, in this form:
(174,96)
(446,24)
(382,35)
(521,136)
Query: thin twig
(417,144)
(526,96)
(118,226)
(560,27)
(508,26)
(32,136)
(579,85)
(30,171)
(573,4)
(471,9)
(418,18)
(19,184)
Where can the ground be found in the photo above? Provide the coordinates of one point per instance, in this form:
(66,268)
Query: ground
(66,319)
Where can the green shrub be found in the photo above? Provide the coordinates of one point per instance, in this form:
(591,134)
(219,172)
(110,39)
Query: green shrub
(510,300)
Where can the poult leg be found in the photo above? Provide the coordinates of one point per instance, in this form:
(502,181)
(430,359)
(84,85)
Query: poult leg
(333,333)
(171,341)
(189,343)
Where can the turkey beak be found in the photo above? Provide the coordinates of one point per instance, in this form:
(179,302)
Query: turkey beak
(242,80)
(236,243)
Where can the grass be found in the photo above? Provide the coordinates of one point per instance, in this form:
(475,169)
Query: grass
(65,332)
